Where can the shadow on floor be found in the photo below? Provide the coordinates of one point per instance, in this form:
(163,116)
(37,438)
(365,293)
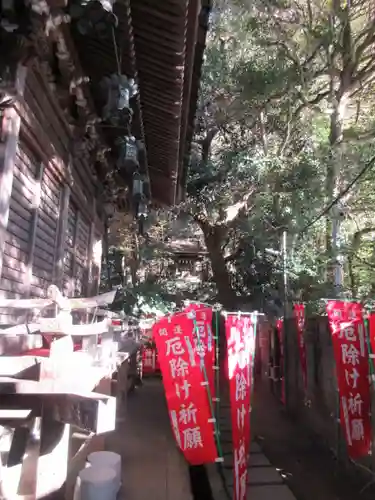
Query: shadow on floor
(308,468)
(153,468)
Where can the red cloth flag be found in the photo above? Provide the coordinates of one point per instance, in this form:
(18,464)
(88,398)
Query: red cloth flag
(148,360)
(279,329)
(203,318)
(185,388)
(240,332)
(352,370)
(299,314)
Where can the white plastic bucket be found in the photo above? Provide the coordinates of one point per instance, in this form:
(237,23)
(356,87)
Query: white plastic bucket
(97,483)
(107,459)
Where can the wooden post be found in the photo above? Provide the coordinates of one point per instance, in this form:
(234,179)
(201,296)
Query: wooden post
(63,226)
(75,245)
(98,263)
(34,224)
(89,282)
(11,128)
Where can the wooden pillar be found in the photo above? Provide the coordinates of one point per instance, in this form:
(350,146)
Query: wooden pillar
(11,128)
(89,278)
(61,239)
(34,224)
(98,263)
(75,246)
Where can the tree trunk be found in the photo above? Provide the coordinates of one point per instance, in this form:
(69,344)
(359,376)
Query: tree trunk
(213,237)
(338,103)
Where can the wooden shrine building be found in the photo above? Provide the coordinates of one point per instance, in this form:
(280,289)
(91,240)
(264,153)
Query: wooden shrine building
(97,104)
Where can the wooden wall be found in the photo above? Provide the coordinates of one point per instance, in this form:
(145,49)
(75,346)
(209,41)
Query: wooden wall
(52,223)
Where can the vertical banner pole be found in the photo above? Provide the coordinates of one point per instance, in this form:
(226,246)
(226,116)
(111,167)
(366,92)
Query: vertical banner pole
(217,371)
(209,396)
(254,318)
(371,359)
(286,315)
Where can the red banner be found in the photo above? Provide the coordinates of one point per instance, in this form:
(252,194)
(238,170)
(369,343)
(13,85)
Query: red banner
(299,314)
(149,356)
(263,356)
(206,349)
(279,329)
(185,389)
(352,370)
(240,332)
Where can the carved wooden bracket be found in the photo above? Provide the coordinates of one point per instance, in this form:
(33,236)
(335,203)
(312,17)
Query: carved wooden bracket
(8,91)
(50,39)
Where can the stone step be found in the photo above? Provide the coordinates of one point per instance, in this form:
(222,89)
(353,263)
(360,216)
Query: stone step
(255,448)
(269,492)
(257,476)
(259,460)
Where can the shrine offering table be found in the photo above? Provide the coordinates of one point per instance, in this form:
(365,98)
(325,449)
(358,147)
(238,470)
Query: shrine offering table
(51,417)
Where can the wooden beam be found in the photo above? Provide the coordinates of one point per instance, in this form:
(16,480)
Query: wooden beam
(22,367)
(8,151)
(92,411)
(54,326)
(102,300)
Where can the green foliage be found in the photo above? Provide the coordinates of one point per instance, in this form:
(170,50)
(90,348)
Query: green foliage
(275,73)
(285,122)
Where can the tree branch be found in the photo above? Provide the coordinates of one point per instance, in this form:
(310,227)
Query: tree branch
(320,97)
(369,38)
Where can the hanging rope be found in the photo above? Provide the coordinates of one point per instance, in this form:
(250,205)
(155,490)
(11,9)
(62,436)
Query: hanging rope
(115,47)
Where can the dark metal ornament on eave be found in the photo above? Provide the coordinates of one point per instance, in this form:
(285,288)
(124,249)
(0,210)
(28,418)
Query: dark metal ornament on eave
(119,90)
(143,40)
(94,16)
(105,50)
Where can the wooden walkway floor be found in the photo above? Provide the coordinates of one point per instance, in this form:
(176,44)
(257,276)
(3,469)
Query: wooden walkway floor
(264,480)
(153,468)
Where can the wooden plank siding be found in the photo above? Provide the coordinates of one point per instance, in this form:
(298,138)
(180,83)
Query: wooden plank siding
(39,247)
(10,127)
(81,257)
(77,249)
(16,251)
(68,264)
